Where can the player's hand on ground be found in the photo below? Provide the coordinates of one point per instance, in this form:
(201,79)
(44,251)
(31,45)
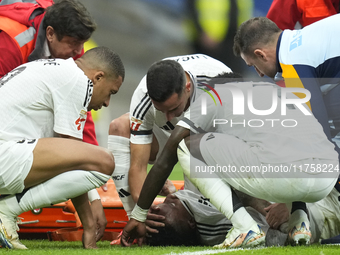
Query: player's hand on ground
(99,218)
(154,220)
(133,230)
(84,211)
(89,239)
(276,215)
(168,188)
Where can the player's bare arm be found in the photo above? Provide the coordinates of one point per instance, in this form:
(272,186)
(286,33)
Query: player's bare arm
(154,183)
(81,204)
(140,154)
(96,207)
(162,168)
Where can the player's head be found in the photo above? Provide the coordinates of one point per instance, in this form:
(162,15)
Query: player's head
(255,42)
(180,227)
(68,26)
(106,70)
(168,87)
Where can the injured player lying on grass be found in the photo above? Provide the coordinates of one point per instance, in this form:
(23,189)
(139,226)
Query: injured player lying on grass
(187,218)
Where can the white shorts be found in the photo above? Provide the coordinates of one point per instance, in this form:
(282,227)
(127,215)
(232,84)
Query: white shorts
(324,217)
(16,159)
(236,162)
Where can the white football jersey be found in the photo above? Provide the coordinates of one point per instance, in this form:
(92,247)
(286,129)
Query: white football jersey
(43,97)
(143,115)
(211,224)
(277,137)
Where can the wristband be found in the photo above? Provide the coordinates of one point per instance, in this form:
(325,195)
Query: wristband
(93,195)
(139,213)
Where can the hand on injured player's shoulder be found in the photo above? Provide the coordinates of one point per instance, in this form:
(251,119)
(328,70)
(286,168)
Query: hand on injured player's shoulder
(276,215)
(168,188)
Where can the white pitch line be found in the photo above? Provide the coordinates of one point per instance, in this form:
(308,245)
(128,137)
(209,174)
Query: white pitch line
(207,252)
(203,252)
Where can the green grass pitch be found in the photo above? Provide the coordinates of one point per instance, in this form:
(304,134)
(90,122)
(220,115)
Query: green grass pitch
(45,247)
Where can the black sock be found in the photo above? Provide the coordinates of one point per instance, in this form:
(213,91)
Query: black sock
(299,206)
(236,201)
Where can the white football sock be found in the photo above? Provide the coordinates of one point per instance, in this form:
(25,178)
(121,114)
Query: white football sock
(217,190)
(297,217)
(120,148)
(58,189)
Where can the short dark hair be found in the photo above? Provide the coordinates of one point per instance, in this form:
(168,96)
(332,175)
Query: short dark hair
(225,77)
(105,59)
(69,18)
(164,78)
(170,236)
(252,33)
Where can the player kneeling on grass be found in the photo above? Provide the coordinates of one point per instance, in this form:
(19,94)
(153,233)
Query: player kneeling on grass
(39,100)
(246,140)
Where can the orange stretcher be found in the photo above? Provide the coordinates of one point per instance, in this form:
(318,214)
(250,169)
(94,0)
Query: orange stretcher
(58,221)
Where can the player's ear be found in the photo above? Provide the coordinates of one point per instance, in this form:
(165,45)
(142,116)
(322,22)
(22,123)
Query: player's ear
(188,86)
(260,53)
(98,76)
(49,33)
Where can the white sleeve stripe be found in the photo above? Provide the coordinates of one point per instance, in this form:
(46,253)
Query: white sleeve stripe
(146,110)
(142,109)
(139,104)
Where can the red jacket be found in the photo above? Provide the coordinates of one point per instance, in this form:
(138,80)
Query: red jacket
(21,41)
(16,18)
(22,11)
(286,13)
